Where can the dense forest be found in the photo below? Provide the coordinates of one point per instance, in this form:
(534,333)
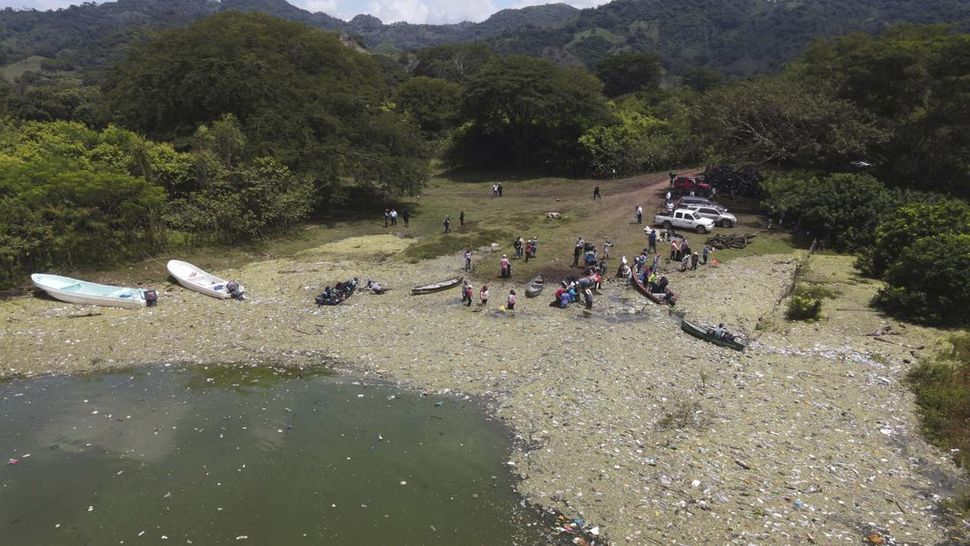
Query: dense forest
(240,125)
(738,37)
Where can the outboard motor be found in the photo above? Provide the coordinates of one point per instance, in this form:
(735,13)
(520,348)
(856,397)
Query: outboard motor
(235,291)
(151,298)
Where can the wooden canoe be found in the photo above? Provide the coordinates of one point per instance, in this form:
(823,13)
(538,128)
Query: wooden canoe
(436,286)
(196,279)
(702,333)
(535,286)
(89,293)
(656,298)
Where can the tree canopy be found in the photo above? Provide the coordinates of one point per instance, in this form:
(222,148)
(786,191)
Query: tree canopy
(300,95)
(524,112)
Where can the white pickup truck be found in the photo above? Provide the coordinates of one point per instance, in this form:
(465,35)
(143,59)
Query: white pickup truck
(684,218)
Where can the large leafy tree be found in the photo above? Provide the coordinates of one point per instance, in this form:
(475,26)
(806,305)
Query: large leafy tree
(784,121)
(913,82)
(524,112)
(300,95)
(624,73)
(431,102)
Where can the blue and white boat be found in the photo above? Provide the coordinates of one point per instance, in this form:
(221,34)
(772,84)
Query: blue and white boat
(89,293)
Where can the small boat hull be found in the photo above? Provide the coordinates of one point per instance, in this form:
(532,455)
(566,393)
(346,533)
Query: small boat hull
(196,279)
(534,288)
(647,294)
(436,286)
(702,333)
(88,293)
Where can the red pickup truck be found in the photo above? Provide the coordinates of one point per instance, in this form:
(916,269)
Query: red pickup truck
(689,183)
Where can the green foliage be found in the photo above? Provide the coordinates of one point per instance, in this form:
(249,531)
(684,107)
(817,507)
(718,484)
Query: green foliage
(930,281)
(803,307)
(783,121)
(909,223)
(249,202)
(527,113)
(639,140)
(59,214)
(912,82)
(842,209)
(299,95)
(942,388)
(452,62)
(624,73)
(431,103)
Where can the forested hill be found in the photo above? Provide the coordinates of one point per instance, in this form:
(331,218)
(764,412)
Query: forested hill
(738,37)
(85,35)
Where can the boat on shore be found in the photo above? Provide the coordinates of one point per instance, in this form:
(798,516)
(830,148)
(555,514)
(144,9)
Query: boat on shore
(659,299)
(437,286)
(703,333)
(535,286)
(194,278)
(89,293)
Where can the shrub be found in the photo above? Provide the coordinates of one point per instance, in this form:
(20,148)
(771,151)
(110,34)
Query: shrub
(804,307)
(930,281)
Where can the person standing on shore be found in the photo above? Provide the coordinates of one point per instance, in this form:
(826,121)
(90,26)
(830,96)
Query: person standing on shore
(447,224)
(483,295)
(694,258)
(510,302)
(461,221)
(500,189)
(578,251)
(639,214)
(652,240)
(393,217)
(466,293)
(707,252)
(468,259)
(506,266)
(387,216)
(596,193)
(406,215)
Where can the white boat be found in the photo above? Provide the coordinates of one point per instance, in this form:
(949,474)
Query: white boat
(196,279)
(76,291)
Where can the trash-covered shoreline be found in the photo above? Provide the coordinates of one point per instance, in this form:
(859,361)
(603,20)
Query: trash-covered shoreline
(620,419)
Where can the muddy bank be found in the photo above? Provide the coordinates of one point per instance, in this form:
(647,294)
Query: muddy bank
(622,419)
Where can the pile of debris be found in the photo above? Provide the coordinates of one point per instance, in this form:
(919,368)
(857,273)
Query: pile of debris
(730,240)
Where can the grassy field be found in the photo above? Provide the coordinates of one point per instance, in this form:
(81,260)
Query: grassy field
(520,212)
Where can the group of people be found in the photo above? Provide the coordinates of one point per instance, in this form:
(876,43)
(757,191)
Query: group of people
(467,291)
(524,248)
(390,217)
(497,190)
(340,292)
(572,289)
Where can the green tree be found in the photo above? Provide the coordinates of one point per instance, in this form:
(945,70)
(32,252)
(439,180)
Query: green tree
(842,209)
(298,94)
(432,103)
(907,224)
(930,281)
(624,73)
(528,113)
(640,140)
(452,62)
(783,121)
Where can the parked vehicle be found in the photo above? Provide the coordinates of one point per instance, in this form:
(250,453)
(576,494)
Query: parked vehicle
(721,218)
(688,201)
(684,218)
(690,183)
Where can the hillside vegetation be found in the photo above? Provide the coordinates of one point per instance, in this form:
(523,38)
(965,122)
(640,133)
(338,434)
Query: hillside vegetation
(739,37)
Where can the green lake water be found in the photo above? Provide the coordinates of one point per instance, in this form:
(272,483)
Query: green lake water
(249,456)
